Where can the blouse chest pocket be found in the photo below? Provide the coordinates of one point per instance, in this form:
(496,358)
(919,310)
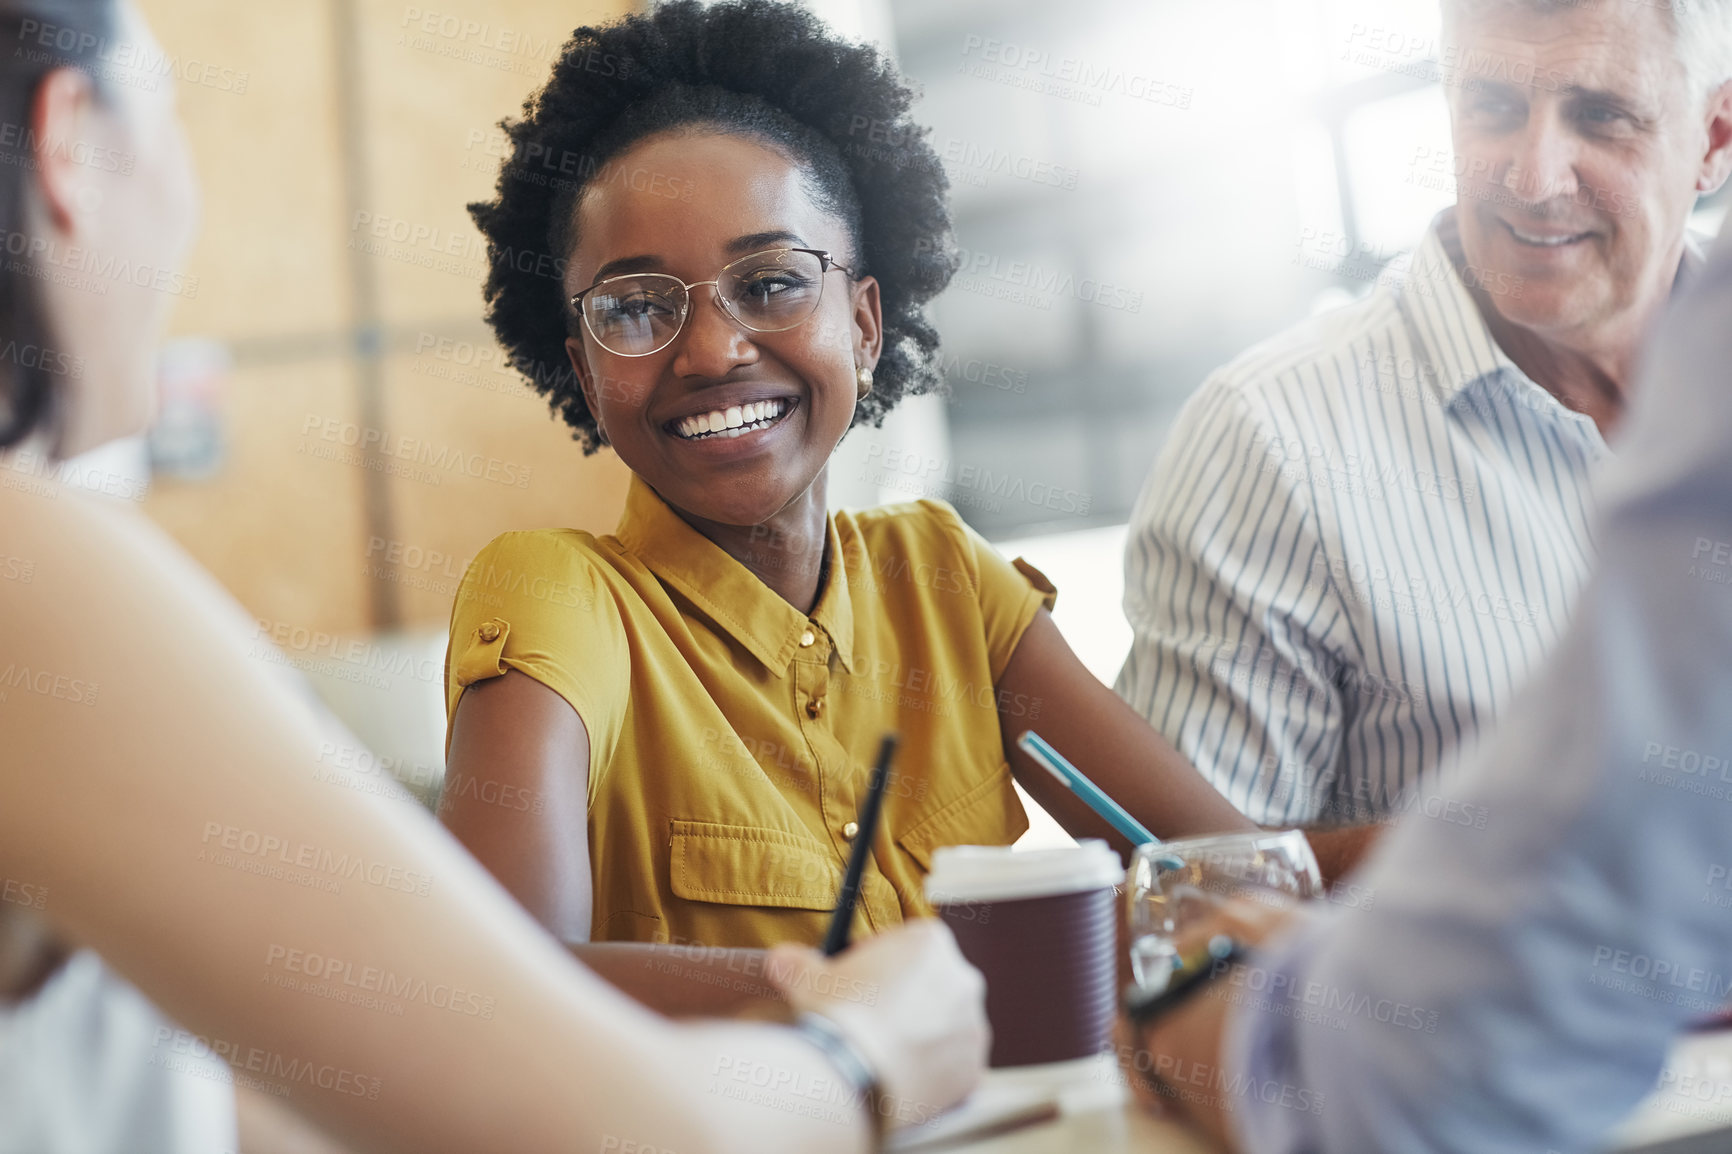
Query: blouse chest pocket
(987,813)
(767,868)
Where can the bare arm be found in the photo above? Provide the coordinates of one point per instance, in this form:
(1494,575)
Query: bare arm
(689,982)
(266,1125)
(516,796)
(1340,850)
(1124,755)
(175,819)
(1107,740)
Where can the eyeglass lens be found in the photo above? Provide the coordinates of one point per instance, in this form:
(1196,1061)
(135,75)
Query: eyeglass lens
(766,292)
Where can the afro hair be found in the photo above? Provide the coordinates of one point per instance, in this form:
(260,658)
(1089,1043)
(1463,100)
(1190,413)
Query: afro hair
(760,68)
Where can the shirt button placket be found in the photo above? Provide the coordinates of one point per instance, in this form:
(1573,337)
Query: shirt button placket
(812,667)
(817,682)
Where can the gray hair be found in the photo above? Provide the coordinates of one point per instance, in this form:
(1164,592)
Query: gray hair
(1701,31)
(1702,35)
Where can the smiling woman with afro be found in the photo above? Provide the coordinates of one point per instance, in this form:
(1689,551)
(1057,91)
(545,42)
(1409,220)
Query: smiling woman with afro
(711,245)
(765,70)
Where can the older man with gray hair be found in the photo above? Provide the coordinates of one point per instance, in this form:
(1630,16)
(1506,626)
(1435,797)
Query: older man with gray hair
(1364,534)
(1516,989)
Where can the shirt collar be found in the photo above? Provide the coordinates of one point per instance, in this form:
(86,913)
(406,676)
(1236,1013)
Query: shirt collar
(1446,323)
(727,592)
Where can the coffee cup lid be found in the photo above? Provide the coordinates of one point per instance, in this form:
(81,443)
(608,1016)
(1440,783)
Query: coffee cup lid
(980,873)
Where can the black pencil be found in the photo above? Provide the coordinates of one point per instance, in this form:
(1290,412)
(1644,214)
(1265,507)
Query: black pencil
(837,939)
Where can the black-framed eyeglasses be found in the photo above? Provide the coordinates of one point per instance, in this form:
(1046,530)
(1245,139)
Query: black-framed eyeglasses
(636,314)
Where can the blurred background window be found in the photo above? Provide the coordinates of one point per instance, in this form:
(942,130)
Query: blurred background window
(1144,190)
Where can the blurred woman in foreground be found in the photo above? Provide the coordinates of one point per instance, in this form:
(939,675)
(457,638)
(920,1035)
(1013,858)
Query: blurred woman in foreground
(154,780)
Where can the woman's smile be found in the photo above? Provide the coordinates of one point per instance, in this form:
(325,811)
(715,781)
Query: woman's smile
(729,424)
(732,420)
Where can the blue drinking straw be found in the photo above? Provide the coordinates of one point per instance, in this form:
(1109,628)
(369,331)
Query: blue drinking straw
(1073,779)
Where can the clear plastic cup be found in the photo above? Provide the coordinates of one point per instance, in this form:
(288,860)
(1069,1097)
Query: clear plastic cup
(1173,884)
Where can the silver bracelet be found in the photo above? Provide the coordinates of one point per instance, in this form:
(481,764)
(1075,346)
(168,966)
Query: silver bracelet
(846,1057)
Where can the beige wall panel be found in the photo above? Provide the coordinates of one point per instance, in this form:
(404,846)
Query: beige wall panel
(281,526)
(453,421)
(284,524)
(270,258)
(439,77)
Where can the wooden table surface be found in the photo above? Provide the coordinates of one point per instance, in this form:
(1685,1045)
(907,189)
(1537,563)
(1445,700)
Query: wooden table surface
(1097,1116)
(1118,1129)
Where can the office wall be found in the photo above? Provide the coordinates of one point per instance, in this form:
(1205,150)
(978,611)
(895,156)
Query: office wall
(337,142)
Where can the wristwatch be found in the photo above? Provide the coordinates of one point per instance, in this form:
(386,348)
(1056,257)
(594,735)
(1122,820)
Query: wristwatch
(846,1057)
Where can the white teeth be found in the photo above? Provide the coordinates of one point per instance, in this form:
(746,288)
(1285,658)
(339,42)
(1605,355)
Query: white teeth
(732,421)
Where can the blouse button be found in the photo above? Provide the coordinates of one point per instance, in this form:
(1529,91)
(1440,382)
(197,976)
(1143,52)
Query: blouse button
(807,638)
(815,707)
(849,830)
(489,632)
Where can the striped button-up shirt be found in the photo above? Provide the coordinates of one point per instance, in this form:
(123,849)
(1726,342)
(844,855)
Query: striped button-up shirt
(1361,536)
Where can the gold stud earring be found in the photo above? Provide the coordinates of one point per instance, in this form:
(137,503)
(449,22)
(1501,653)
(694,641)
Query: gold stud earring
(862,377)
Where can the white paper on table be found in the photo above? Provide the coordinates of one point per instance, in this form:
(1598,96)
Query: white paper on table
(992,1109)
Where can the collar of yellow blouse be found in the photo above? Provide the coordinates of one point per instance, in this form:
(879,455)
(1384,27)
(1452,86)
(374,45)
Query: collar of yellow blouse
(731,595)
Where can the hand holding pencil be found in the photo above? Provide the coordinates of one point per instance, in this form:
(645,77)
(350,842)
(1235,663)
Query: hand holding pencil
(906,998)
(908,1001)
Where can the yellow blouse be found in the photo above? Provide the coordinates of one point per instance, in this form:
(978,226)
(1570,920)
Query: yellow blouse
(731,735)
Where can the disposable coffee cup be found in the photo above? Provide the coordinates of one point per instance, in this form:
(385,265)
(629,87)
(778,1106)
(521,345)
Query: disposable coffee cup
(1042,926)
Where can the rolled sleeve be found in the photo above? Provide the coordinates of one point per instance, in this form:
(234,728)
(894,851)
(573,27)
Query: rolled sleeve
(532,603)
(480,653)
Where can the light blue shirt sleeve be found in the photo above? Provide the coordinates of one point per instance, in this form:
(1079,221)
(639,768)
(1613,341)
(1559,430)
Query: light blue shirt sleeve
(1516,987)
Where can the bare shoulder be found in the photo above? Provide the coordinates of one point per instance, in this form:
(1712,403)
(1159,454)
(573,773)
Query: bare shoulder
(84,559)
(59,549)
